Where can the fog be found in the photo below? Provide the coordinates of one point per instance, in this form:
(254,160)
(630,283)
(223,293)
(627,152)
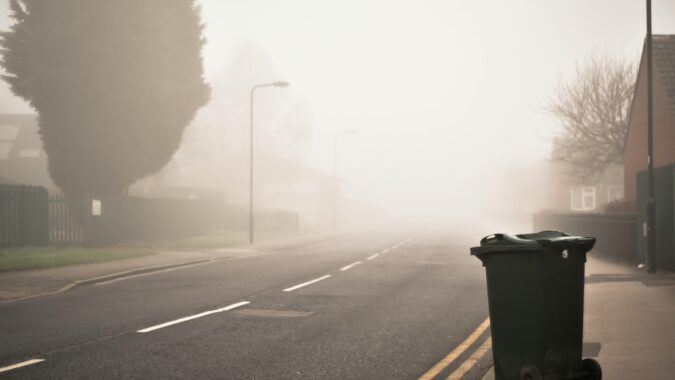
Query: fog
(445,100)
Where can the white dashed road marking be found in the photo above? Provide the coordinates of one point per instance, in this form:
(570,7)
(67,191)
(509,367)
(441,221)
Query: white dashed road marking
(350,266)
(22,364)
(185,319)
(292,288)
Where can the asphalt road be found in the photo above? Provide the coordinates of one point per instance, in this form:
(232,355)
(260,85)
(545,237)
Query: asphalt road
(410,302)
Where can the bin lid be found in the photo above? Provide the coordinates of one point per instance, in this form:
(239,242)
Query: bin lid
(531,242)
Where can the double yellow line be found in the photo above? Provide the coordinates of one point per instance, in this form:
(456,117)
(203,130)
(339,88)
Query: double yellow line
(454,354)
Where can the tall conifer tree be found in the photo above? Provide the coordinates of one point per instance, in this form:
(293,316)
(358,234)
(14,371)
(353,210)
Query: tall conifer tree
(115,83)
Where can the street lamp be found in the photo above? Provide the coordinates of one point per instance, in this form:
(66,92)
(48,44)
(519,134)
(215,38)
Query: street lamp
(651,204)
(280,84)
(336,174)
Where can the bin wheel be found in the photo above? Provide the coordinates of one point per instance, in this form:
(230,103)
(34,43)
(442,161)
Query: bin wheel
(531,372)
(591,369)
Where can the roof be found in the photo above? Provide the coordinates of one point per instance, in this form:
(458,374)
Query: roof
(663,55)
(22,160)
(663,60)
(19,134)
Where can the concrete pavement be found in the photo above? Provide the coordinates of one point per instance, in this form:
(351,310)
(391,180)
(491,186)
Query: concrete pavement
(629,321)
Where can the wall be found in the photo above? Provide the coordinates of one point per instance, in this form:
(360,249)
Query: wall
(635,156)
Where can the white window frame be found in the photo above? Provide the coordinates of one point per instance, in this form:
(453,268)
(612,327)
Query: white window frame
(584,192)
(30,153)
(9,132)
(5,149)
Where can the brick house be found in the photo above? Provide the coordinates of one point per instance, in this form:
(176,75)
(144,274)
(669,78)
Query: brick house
(635,154)
(565,194)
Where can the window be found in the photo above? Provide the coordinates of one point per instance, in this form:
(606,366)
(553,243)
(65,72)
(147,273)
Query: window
(8,132)
(5,148)
(614,194)
(583,198)
(29,153)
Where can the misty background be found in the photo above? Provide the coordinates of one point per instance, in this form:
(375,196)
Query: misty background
(446,99)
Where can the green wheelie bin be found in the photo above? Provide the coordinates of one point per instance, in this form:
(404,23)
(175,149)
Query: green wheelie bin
(535,285)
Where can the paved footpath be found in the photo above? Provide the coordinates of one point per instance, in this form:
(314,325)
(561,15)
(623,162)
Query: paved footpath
(630,319)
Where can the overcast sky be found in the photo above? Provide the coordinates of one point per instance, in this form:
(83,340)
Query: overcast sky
(445,95)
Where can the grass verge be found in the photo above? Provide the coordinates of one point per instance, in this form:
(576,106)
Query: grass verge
(25,258)
(220,239)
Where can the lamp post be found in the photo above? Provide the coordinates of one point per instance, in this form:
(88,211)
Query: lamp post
(250,205)
(336,174)
(651,204)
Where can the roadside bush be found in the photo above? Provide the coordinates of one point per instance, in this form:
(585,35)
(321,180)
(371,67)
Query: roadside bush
(621,208)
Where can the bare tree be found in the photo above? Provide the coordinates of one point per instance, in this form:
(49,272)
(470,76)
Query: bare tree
(593,108)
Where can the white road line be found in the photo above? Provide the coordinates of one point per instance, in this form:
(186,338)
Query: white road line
(185,319)
(386,250)
(373,256)
(22,364)
(292,288)
(350,266)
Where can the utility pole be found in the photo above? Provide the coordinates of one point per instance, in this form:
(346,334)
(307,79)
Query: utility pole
(250,202)
(651,204)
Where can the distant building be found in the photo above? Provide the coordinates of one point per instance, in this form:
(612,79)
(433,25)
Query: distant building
(23,160)
(280,184)
(635,155)
(289,185)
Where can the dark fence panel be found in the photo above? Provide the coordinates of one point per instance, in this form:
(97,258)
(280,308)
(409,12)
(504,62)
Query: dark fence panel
(9,216)
(23,215)
(267,221)
(664,194)
(30,216)
(64,226)
(132,219)
(277,222)
(616,234)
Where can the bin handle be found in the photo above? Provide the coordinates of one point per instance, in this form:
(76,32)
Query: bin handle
(491,238)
